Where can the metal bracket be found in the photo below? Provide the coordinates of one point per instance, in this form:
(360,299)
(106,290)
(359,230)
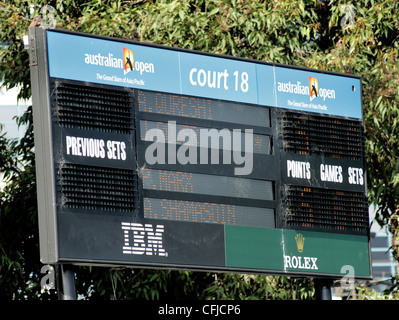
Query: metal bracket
(32,47)
(32,41)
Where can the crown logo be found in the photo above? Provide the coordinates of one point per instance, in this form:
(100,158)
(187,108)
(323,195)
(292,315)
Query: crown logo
(300,240)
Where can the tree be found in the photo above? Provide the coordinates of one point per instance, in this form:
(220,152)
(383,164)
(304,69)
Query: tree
(18,216)
(361,36)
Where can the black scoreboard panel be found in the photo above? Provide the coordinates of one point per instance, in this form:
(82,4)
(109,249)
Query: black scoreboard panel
(89,180)
(323,173)
(306,170)
(319,160)
(93,129)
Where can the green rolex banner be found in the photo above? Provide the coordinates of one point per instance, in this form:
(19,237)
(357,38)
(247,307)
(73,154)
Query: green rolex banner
(296,251)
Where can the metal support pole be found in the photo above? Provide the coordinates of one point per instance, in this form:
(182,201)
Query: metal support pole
(66,282)
(323,289)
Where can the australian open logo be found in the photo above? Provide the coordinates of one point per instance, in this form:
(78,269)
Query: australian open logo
(130,64)
(312,90)
(128,60)
(125,60)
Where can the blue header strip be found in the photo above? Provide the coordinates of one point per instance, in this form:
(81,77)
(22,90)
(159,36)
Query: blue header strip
(85,58)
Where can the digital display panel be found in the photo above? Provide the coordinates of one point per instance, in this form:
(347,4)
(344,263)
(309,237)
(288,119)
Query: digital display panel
(205,212)
(207,184)
(205,109)
(195,136)
(196,197)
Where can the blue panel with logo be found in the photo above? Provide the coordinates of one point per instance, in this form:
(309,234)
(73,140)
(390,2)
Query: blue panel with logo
(318,92)
(176,71)
(113,63)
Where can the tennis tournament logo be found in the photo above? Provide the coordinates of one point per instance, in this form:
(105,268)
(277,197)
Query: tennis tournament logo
(128,60)
(312,90)
(125,61)
(314,87)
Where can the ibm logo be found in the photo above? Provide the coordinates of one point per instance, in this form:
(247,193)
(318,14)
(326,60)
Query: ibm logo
(143,239)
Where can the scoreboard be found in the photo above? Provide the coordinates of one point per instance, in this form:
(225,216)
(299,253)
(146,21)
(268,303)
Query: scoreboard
(152,156)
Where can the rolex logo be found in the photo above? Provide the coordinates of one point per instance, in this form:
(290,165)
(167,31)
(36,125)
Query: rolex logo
(300,240)
(300,262)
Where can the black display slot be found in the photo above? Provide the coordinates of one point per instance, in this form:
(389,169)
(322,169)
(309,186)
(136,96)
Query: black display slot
(319,209)
(209,199)
(97,188)
(322,135)
(102,108)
